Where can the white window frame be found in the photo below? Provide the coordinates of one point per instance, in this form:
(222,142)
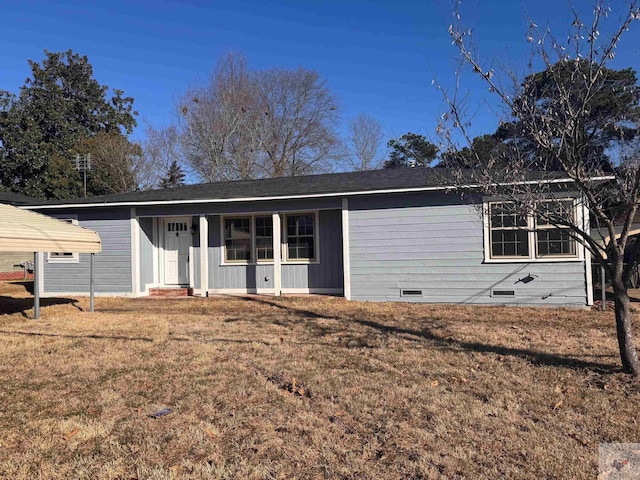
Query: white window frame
(531,237)
(552,227)
(75,257)
(254,238)
(284,246)
(316,236)
(223,235)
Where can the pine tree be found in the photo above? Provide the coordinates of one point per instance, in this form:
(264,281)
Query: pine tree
(174,177)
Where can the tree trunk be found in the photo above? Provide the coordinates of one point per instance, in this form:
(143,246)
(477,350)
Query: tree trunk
(628,353)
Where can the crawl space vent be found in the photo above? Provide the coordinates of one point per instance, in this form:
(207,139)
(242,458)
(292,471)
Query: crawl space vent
(411,293)
(503,293)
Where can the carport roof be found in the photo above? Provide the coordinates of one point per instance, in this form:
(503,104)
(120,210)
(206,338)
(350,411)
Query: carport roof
(24,231)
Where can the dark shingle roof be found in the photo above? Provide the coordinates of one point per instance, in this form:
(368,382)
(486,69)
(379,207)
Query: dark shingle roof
(11,198)
(331,183)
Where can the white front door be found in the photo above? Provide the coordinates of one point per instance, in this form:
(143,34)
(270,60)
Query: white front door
(177,240)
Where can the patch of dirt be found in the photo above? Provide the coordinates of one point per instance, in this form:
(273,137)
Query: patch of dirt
(290,386)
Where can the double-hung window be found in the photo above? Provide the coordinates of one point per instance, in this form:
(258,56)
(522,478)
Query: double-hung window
(264,238)
(301,236)
(64,257)
(541,234)
(237,239)
(554,240)
(248,239)
(508,231)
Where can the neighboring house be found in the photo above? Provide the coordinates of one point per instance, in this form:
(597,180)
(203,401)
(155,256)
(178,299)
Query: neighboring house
(381,235)
(12,264)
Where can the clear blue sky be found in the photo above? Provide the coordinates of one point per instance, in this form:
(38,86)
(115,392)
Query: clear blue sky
(379,57)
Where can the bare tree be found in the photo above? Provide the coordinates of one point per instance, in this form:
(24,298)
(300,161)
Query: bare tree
(163,153)
(251,124)
(567,118)
(300,120)
(364,141)
(221,128)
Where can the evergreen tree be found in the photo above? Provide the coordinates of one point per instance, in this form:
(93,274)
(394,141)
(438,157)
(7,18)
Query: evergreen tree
(410,150)
(174,177)
(40,128)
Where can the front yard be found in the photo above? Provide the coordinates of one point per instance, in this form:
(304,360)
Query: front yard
(299,387)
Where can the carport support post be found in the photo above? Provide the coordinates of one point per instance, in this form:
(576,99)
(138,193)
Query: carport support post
(91,283)
(36,289)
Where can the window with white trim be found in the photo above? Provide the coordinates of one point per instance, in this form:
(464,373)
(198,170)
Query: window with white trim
(508,231)
(237,239)
(551,240)
(264,238)
(539,235)
(64,257)
(301,237)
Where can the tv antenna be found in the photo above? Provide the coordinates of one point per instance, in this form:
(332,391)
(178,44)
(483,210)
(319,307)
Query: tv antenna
(83,164)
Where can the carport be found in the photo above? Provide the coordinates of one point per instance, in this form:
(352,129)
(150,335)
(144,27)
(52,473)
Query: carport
(26,231)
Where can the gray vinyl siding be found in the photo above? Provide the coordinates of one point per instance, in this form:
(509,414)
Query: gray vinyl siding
(112,267)
(146,252)
(434,243)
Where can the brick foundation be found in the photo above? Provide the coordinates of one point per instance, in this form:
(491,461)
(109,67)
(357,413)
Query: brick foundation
(17,275)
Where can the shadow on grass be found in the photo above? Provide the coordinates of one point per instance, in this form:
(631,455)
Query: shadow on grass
(533,356)
(27,284)
(11,305)
(58,335)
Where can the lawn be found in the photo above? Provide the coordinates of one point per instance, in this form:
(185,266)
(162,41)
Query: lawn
(306,387)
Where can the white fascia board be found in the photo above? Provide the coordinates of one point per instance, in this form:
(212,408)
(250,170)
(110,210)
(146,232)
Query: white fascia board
(292,197)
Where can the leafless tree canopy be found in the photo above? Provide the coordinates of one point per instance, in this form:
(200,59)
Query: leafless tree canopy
(258,123)
(160,150)
(364,143)
(560,128)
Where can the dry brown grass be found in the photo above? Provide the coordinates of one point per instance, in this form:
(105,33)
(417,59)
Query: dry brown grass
(380,391)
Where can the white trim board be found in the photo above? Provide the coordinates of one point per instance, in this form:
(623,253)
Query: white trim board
(241,291)
(135,253)
(295,197)
(346,261)
(271,291)
(313,291)
(203,230)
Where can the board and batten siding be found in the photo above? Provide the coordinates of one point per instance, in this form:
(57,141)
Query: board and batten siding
(250,277)
(146,252)
(434,243)
(325,274)
(112,267)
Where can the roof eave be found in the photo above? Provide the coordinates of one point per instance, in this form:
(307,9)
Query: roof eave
(291,197)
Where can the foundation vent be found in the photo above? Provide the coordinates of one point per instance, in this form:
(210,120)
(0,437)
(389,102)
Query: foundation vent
(410,293)
(503,293)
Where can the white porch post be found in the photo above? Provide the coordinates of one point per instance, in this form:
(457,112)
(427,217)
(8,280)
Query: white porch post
(277,260)
(135,253)
(204,255)
(346,266)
